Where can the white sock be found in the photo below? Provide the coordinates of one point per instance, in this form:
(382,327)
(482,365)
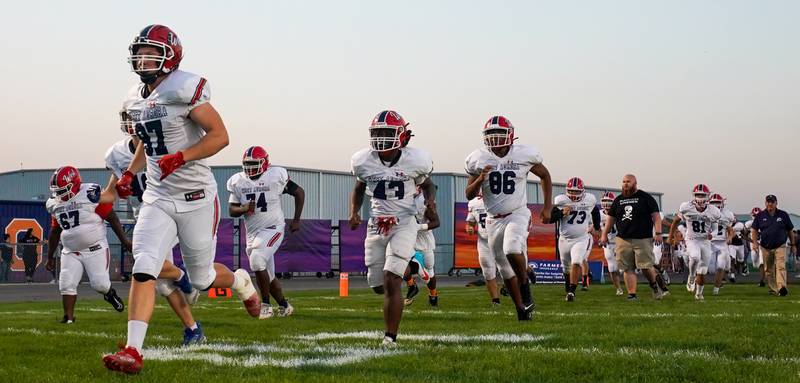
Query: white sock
(193,326)
(136,333)
(238,282)
(700,289)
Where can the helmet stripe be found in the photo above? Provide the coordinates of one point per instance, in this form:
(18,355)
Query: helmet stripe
(250,152)
(146,31)
(495,120)
(382,116)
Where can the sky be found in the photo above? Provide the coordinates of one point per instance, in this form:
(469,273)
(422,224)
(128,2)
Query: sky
(676,92)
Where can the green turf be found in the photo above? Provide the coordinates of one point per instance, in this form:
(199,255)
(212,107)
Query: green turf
(741,335)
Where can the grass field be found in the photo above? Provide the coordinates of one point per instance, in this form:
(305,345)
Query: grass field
(742,335)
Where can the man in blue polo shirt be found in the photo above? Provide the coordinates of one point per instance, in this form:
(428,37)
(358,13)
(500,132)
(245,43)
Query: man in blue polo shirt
(771,228)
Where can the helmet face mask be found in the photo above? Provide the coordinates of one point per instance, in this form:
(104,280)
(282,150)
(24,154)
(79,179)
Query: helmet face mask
(607,200)
(385,139)
(717,200)
(755,211)
(700,194)
(126,124)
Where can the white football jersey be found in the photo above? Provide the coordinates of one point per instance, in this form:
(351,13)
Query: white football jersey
(266,191)
(118,158)
(698,224)
(726,220)
(612,233)
(505,189)
(162,123)
(575,225)
(81,226)
(476,212)
(391,188)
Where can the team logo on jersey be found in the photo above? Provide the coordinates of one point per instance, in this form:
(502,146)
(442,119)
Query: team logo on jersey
(399,174)
(151,104)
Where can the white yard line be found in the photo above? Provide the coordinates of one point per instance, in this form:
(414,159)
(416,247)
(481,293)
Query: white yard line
(442,338)
(37,332)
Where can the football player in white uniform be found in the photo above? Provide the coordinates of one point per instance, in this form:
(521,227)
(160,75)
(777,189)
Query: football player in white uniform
(572,214)
(608,249)
(172,283)
(699,217)
(721,236)
(178,128)
(256,194)
(476,224)
(389,171)
(78,225)
(499,170)
(755,254)
(680,249)
(736,249)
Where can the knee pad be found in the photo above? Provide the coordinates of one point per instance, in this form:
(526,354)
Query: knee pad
(375,276)
(101,287)
(143,277)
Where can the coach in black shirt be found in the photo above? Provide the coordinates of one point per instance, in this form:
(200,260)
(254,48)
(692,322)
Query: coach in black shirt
(771,229)
(638,222)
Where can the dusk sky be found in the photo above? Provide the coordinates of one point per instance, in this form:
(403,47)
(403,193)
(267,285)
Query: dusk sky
(676,92)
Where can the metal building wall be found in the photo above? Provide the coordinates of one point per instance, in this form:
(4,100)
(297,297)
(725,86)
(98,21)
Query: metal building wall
(327,196)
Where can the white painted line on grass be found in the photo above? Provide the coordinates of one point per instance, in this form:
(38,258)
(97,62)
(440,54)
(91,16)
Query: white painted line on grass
(442,338)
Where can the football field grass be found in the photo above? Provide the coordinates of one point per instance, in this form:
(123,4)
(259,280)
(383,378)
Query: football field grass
(741,335)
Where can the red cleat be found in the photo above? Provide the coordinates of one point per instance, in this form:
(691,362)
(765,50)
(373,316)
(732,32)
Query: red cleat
(127,360)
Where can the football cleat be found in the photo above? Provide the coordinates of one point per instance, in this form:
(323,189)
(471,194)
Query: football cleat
(525,314)
(115,301)
(699,297)
(67,321)
(665,276)
(633,298)
(127,360)
(266,311)
(619,291)
(285,311)
(413,290)
(433,301)
(388,342)
(716,291)
(195,336)
(570,297)
(248,294)
(783,291)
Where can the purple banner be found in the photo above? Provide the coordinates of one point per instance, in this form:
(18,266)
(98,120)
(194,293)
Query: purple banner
(224,245)
(307,250)
(351,247)
(16,217)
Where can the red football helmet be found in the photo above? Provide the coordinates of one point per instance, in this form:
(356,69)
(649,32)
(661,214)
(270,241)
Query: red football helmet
(701,192)
(126,123)
(717,200)
(255,161)
(755,211)
(388,131)
(65,183)
(607,199)
(161,38)
(498,132)
(575,189)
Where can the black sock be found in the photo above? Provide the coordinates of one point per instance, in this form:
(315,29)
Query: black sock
(661,283)
(566,282)
(495,300)
(390,335)
(654,286)
(283,303)
(573,287)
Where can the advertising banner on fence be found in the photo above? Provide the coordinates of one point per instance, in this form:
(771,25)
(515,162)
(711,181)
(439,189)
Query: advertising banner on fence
(541,241)
(552,272)
(307,250)
(351,247)
(16,217)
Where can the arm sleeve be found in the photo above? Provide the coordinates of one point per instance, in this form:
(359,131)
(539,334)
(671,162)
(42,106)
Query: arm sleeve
(103,209)
(596,218)
(290,187)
